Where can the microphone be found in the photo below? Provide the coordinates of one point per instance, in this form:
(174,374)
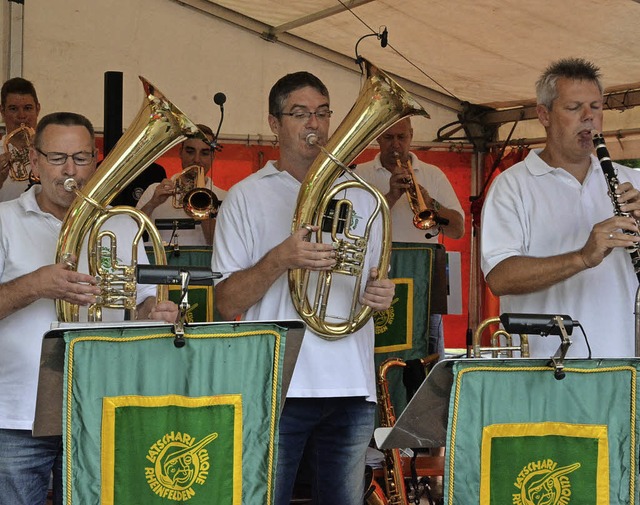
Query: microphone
(167,274)
(384,37)
(536,324)
(219,99)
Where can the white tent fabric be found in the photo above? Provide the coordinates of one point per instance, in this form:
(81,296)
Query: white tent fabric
(445,52)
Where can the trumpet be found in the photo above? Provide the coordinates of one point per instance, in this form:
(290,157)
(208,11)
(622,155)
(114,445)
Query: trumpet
(423,217)
(17,144)
(191,194)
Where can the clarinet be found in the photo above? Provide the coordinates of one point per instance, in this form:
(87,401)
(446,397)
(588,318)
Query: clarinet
(611,176)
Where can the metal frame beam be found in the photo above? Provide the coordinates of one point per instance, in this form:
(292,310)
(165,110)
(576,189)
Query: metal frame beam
(618,100)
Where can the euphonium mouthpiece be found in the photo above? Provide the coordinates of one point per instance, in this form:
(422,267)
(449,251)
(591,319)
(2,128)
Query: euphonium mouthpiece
(312,139)
(70,184)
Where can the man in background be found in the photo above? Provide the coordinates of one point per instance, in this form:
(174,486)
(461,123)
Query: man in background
(157,201)
(19,106)
(389,173)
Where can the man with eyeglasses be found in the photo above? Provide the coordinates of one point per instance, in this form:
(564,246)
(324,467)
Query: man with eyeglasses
(19,106)
(157,201)
(330,402)
(30,282)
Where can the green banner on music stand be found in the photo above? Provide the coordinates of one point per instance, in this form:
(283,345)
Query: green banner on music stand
(147,422)
(402,331)
(517,435)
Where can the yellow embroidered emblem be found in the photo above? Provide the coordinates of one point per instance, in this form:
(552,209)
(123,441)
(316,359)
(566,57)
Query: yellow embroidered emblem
(543,483)
(383,319)
(179,463)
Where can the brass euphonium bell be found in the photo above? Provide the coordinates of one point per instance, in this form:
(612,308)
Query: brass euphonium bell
(17,144)
(191,194)
(158,126)
(381,103)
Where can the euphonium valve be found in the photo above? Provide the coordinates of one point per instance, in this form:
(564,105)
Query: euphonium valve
(381,103)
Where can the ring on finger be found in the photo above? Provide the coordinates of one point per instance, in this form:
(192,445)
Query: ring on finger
(610,235)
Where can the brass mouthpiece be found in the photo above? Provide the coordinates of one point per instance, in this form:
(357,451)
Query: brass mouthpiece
(312,139)
(70,185)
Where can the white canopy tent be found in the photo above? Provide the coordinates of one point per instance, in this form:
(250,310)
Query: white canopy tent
(446,53)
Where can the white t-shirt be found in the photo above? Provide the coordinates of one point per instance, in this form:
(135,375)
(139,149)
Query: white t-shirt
(28,239)
(429,177)
(536,210)
(166,210)
(255,217)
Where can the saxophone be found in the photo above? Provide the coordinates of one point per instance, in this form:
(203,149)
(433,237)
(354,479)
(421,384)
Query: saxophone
(611,177)
(392,465)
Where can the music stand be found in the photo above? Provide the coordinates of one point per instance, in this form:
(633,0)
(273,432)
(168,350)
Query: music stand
(48,415)
(423,423)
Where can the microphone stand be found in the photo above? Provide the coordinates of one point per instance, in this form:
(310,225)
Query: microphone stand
(178,327)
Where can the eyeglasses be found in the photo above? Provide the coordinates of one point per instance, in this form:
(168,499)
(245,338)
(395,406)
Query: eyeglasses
(81,158)
(300,115)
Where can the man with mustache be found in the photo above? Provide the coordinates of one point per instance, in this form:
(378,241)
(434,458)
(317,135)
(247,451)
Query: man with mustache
(550,241)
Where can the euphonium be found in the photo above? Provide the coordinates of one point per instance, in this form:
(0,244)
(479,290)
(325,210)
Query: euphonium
(192,195)
(423,217)
(17,144)
(158,126)
(381,103)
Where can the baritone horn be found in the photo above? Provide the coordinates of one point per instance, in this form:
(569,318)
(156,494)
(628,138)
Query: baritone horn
(191,194)
(158,126)
(381,103)
(17,144)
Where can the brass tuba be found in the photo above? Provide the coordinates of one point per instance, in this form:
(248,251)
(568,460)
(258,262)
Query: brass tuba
(381,103)
(191,194)
(158,126)
(17,144)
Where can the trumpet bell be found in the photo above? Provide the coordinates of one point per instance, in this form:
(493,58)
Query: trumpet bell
(192,195)
(201,204)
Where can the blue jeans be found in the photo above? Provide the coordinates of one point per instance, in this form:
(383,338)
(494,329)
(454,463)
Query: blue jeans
(26,464)
(436,335)
(336,432)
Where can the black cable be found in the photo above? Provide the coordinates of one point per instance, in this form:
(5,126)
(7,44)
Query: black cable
(586,339)
(373,32)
